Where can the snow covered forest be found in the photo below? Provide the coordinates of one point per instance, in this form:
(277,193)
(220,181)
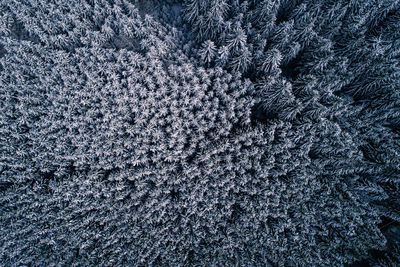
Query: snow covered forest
(200,133)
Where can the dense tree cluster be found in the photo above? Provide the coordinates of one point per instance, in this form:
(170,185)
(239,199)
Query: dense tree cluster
(199,132)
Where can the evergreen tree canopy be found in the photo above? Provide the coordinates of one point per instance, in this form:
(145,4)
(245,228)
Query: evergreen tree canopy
(199,133)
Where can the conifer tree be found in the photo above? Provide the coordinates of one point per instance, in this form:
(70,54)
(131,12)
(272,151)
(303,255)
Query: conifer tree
(199,133)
